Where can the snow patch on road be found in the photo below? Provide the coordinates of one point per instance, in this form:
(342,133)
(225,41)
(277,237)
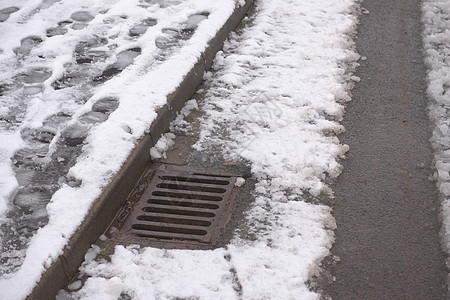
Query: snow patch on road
(278,94)
(436,38)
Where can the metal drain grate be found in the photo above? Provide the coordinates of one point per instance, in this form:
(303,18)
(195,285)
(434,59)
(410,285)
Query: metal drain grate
(178,206)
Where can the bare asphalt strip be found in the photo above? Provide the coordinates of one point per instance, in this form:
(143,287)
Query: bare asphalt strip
(386,207)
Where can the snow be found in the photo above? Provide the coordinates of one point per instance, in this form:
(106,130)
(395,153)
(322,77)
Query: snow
(60,62)
(164,143)
(240,182)
(274,100)
(280,98)
(436,37)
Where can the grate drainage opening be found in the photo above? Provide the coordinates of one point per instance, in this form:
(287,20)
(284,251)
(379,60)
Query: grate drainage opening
(197,196)
(193,188)
(174,221)
(177,208)
(213,175)
(196,180)
(180,230)
(183,203)
(205,214)
(168,239)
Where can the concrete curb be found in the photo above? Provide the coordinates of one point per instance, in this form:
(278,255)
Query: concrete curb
(108,204)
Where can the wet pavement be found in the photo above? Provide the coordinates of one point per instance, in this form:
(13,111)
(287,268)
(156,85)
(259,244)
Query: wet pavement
(386,207)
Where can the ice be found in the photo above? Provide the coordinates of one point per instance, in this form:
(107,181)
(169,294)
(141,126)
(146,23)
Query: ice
(163,42)
(9,10)
(59,30)
(69,80)
(75,134)
(37,219)
(79,26)
(169,39)
(29,214)
(194,20)
(55,121)
(33,89)
(27,44)
(36,75)
(149,22)
(25,176)
(6,12)
(87,49)
(73,182)
(3,89)
(107,74)
(31,198)
(140,29)
(93,117)
(97,55)
(47,3)
(81,16)
(30,157)
(168,3)
(106,105)
(44,134)
(126,58)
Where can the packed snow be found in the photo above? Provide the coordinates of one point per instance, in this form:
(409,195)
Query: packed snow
(79,85)
(274,99)
(436,37)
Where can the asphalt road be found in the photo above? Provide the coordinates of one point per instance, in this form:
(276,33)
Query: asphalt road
(386,206)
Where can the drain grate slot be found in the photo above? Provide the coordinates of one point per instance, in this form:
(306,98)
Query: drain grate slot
(141,228)
(192,188)
(181,212)
(196,180)
(197,195)
(179,208)
(198,204)
(192,222)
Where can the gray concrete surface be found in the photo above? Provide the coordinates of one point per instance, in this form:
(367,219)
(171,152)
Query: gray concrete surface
(386,207)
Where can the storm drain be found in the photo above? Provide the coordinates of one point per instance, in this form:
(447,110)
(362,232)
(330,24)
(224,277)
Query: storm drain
(177,206)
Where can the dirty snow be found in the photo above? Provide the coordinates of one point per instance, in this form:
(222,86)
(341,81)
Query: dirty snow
(436,38)
(79,85)
(274,99)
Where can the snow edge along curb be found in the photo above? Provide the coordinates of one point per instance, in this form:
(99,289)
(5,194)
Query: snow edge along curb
(106,206)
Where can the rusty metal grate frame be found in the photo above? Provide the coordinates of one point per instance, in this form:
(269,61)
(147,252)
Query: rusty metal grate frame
(176,207)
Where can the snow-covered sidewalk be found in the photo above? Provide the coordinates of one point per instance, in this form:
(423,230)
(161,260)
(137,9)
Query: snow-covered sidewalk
(274,100)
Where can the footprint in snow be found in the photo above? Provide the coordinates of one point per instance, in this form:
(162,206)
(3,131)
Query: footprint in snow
(6,12)
(27,44)
(76,134)
(81,18)
(172,37)
(124,59)
(141,28)
(33,80)
(60,29)
(86,53)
